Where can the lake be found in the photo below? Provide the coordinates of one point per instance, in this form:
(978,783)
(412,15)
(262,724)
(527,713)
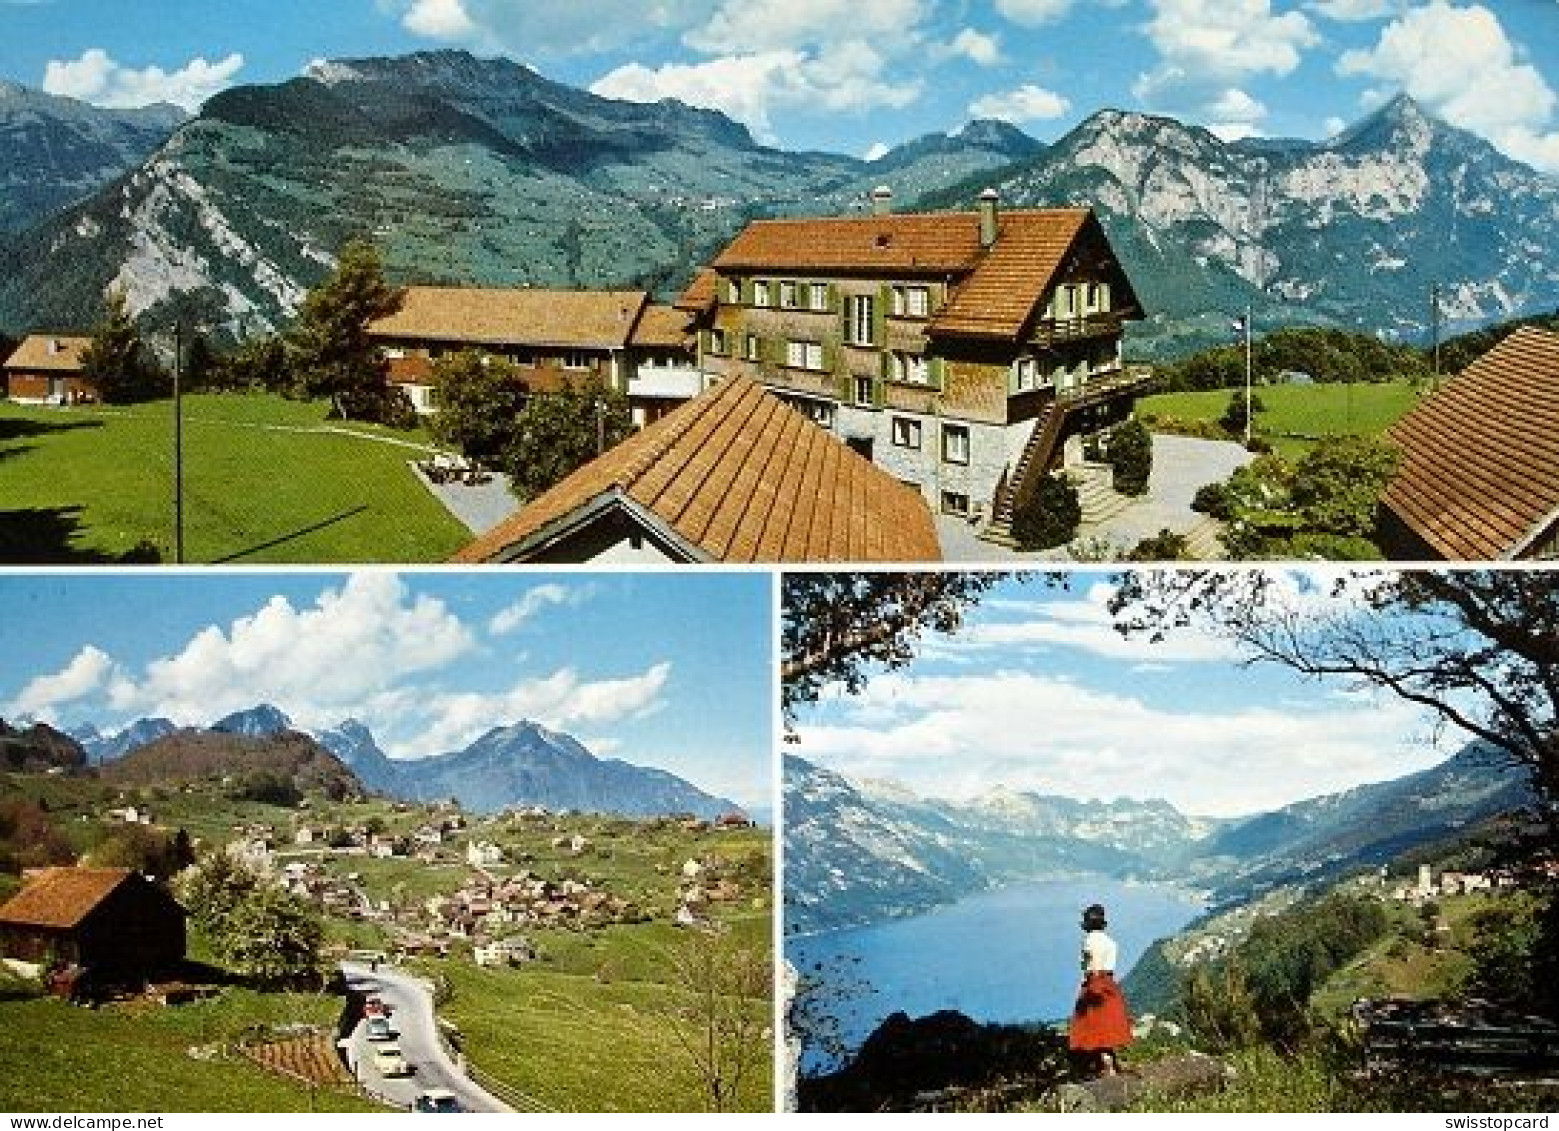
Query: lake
(1009,955)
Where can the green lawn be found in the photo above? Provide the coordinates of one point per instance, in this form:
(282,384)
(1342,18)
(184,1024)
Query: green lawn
(58,1057)
(261,484)
(1295,414)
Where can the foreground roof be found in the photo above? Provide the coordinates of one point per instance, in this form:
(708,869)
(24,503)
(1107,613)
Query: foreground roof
(1000,287)
(735,475)
(55,352)
(62,897)
(664,327)
(1479,479)
(515,316)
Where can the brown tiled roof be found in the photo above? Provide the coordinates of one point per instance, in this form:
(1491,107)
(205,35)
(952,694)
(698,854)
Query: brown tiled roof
(663,327)
(701,293)
(62,897)
(515,316)
(1001,286)
(1480,458)
(35,354)
(743,478)
(998,298)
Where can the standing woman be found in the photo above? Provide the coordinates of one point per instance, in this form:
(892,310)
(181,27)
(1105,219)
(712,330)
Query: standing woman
(1099,1021)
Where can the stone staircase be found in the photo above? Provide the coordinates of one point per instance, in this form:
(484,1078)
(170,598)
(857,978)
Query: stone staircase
(1203,542)
(1095,483)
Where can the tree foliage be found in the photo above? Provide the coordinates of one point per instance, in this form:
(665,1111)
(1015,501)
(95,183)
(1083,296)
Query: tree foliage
(1129,452)
(1050,517)
(480,402)
(1477,648)
(255,364)
(256,929)
(116,361)
(836,628)
(722,1025)
(330,353)
(1324,354)
(561,432)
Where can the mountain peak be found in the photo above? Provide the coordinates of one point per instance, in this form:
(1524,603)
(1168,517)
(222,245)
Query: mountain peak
(261,720)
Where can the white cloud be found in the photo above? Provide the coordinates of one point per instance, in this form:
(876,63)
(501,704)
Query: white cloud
(1034,13)
(845,76)
(1349,11)
(981,49)
(742,27)
(1207,47)
(450,721)
(1235,114)
(1334,126)
(1028,103)
(961,735)
(876,151)
(97,78)
(527,27)
(1460,63)
(319,663)
(439,19)
(90,671)
(518,614)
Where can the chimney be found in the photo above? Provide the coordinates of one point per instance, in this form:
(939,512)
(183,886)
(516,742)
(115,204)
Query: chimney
(988,202)
(882,200)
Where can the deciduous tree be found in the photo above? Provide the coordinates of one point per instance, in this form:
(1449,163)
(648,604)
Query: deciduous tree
(115,361)
(480,402)
(722,1023)
(561,432)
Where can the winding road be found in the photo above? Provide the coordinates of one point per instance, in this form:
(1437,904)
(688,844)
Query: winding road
(411,1015)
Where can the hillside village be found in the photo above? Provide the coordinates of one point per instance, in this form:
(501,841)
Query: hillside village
(492,909)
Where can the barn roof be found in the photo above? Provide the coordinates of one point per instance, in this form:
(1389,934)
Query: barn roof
(483,316)
(63,897)
(49,352)
(1479,479)
(740,477)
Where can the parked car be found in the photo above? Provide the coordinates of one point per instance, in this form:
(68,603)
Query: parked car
(379,1029)
(436,1099)
(389,1061)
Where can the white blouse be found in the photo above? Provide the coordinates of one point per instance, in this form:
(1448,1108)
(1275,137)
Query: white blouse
(1099,953)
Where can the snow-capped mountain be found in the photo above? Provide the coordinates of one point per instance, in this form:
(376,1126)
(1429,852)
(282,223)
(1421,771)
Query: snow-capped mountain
(858,852)
(55,150)
(1351,231)
(513,766)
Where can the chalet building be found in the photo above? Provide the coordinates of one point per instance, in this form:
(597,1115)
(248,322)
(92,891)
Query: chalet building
(112,921)
(732,476)
(46,369)
(1479,478)
(616,339)
(963,353)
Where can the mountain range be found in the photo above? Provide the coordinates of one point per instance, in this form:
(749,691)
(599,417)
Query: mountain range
(858,852)
(482,171)
(514,766)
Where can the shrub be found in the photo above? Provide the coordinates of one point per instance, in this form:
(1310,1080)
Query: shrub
(1129,451)
(1050,518)
(1165,546)
(1233,418)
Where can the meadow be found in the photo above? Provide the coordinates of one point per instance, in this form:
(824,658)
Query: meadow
(1292,418)
(266,480)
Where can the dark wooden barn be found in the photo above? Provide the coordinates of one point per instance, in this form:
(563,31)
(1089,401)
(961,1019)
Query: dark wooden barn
(111,921)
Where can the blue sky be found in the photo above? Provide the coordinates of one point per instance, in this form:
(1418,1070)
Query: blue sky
(660,670)
(854,75)
(1039,692)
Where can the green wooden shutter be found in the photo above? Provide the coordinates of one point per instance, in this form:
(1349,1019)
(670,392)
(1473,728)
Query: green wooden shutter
(880,315)
(803,296)
(938,370)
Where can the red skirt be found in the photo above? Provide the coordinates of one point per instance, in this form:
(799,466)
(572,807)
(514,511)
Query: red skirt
(1099,1020)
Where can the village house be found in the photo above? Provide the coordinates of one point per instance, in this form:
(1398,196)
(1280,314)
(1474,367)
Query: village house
(112,921)
(1479,477)
(966,354)
(732,476)
(483,854)
(611,339)
(46,369)
(510,951)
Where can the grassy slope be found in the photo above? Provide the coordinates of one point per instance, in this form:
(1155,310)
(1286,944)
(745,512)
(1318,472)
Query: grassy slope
(58,1057)
(251,494)
(1294,411)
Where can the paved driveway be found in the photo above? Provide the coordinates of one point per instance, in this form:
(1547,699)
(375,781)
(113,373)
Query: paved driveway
(1181,465)
(411,1015)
